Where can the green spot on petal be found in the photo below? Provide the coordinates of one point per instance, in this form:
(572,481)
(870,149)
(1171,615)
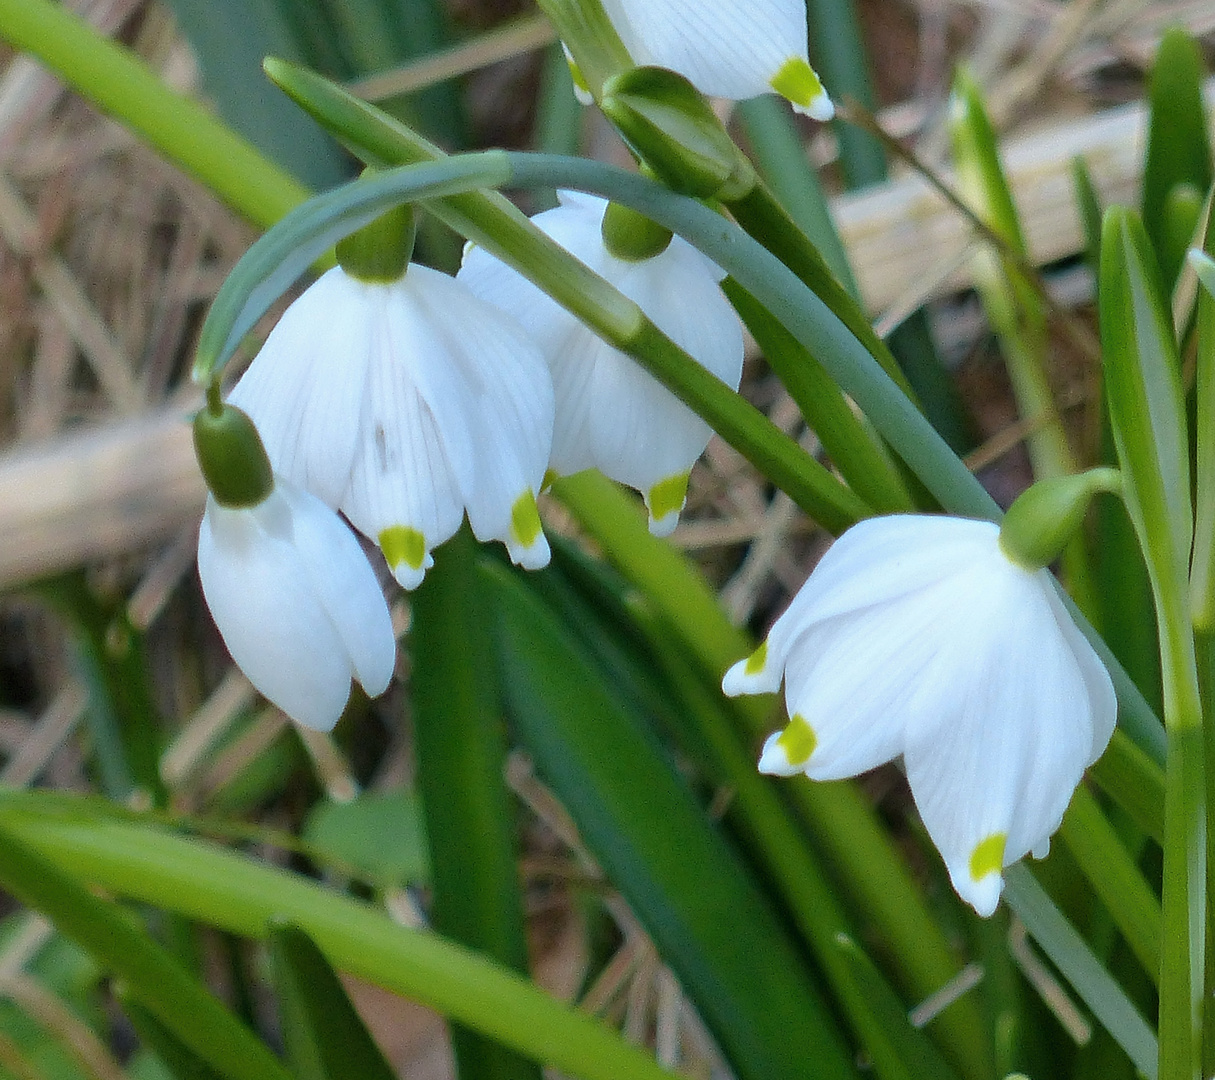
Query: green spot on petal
(756,661)
(667,496)
(988,856)
(797,740)
(525,519)
(582,89)
(401,544)
(797,82)
(551,476)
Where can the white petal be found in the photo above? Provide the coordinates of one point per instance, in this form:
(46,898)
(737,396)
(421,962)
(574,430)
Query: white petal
(1103,701)
(879,560)
(754,675)
(347,588)
(849,676)
(489,389)
(610,413)
(640,432)
(726,48)
(274,626)
(402,482)
(993,763)
(305,388)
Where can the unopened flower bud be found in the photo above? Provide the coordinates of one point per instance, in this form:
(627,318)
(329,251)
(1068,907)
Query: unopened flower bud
(674,131)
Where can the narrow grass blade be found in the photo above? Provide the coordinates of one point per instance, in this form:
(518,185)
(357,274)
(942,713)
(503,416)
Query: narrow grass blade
(1069,953)
(186,1008)
(459,740)
(230,38)
(325,1037)
(653,841)
(122,85)
(143,861)
(182,1062)
(1178,146)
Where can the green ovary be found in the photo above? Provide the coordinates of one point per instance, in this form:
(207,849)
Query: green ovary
(798,740)
(988,856)
(401,544)
(797,82)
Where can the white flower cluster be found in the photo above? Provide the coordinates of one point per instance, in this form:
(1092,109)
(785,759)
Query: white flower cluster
(408,404)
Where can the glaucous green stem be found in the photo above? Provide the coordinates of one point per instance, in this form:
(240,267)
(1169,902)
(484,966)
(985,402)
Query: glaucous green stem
(1072,956)
(1204,646)
(1115,877)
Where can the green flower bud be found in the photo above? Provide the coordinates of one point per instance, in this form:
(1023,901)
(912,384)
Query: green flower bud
(1047,515)
(632,236)
(231,455)
(671,127)
(380,252)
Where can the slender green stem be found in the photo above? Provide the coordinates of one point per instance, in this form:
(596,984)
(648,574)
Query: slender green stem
(1184,908)
(1204,644)
(850,444)
(226,890)
(762,217)
(1184,901)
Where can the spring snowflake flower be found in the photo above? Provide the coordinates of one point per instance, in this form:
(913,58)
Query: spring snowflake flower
(919,636)
(611,414)
(726,48)
(405,404)
(296,602)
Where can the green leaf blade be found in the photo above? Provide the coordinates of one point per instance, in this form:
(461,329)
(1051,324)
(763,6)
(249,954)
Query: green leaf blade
(652,840)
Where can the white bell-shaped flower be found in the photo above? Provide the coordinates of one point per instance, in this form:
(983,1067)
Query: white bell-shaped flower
(405,404)
(611,414)
(726,48)
(296,602)
(919,636)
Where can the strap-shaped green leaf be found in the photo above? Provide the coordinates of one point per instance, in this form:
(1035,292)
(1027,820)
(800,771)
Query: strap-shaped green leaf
(324,1036)
(1178,146)
(1069,953)
(110,847)
(1147,412)
(188,1009)
(460,745)
(182,1062)
(642,824)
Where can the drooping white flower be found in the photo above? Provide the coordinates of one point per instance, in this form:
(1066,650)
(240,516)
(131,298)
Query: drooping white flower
(726,48)
(405,404)
(611,414)
(296,602)
(919,636)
